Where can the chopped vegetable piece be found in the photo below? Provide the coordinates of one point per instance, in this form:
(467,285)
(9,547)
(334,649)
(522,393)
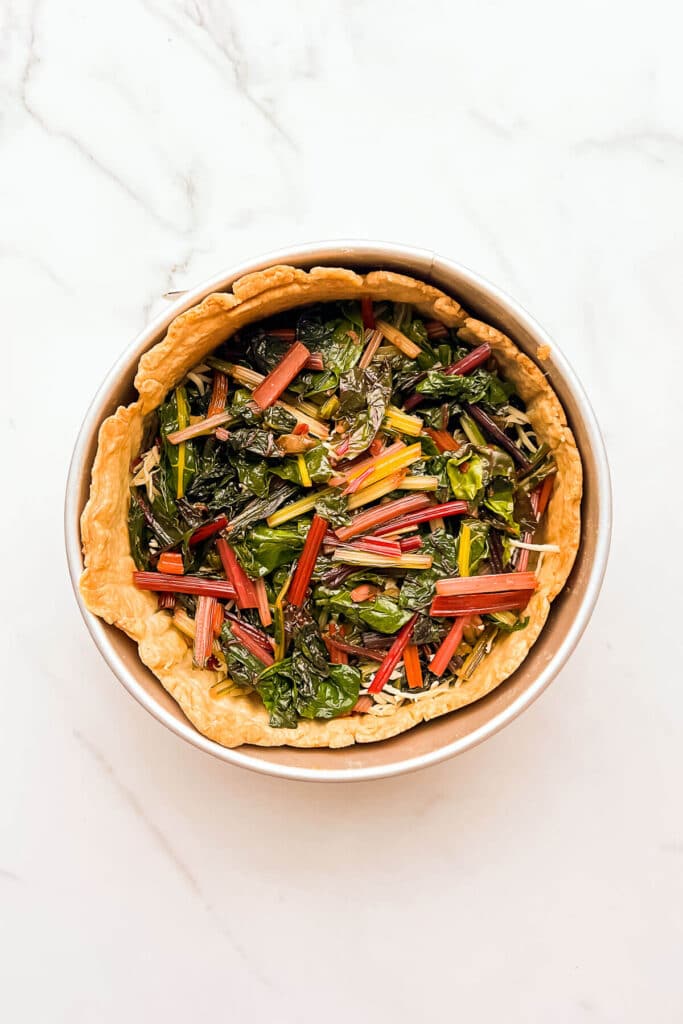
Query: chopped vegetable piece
(463,366)
(471,361)
(534,547)
(360,467)
(317,428)
(301,428)
(303,471)
(296,444)
(411,663)
(338,656)
(279,379)
(413,482)
(171,561)
(166,602)
(378,545)
(307,560)
(411,544)
(492,584)
(448,647)
(360,652)
(262,602)
(362,705)
(219,394)
(444,441)
(352,556)
(183,421)
(329,408)
(364,592)
(303,412)
(218,617)
(253,646)
(282,333)
(544,493)
(399,340)
(367,313)
(255,633)
(203,637)
(382,514)
(464,548)
(373,343)
(395,419)
(205,426)
(495,551)
(435,329)
(479,604)
(297,508)
(471,430)
(187,626)
(356,484)
(449,508)
(208,530)
(482,647)
(393,656)
(376,491)
(314,362)
(498,435)
(244,587)
(279,620)
(166,583)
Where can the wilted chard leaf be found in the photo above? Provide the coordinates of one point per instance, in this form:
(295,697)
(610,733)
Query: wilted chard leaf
(479,386)
(332,506)
(265,548)
(174,415)
(363,399)
(380,613)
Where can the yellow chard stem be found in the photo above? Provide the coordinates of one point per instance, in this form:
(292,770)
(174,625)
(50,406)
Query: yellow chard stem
(183,421)
(464,550)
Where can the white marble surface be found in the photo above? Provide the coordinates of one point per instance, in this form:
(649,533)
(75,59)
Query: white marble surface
(146,145)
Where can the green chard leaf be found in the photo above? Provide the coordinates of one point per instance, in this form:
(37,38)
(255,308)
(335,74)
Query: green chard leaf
(275,687)
(260,508)
(306,684)
(479,543)
(243,667)
(381,613)
(363,399)
(468,474)
(479,386)
(264,548)
(500,500)
(317,464)
(253,476)
(418,590)
(137,534)
(333,507)
(181,458)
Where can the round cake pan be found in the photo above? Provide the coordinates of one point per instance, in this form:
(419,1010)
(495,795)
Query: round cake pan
(451,734)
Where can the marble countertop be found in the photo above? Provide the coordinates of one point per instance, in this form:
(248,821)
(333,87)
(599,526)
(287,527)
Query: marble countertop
(148,144)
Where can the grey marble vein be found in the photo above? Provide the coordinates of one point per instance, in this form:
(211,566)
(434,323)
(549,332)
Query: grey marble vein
(14,253)
(168,850)
(492,237)
(653,144)
(23,96)
(223,39)
(10,876)
(131,799)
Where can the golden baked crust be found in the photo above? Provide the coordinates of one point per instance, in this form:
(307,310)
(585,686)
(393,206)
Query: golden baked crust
(106,583)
